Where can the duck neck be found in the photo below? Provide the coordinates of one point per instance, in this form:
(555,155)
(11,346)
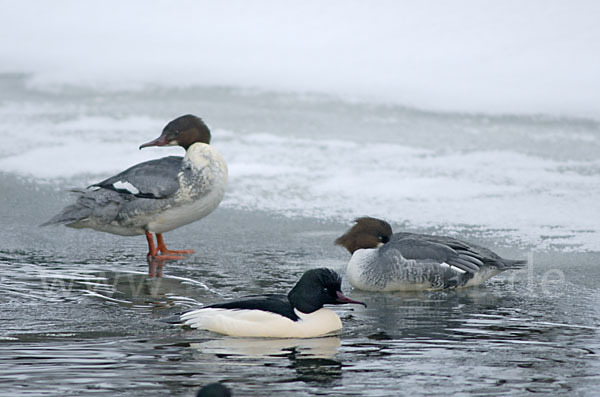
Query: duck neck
(302,302)
(364,266)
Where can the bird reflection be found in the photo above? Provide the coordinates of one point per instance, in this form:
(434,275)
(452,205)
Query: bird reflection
(316,370)
(155,266)
(313,359)
(326,347)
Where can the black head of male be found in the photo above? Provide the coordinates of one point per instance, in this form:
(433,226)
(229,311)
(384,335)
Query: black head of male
(367,232)
(318,287)
(183,131)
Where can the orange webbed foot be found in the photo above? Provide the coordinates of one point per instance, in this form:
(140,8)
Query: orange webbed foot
(155,259)
(160,242)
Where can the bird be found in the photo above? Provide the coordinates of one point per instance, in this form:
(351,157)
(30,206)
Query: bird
(300,314)
(386,261)
(156,196)
(214,390)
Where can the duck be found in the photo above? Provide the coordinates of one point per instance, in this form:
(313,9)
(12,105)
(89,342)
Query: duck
(215,389)
(386,261)
(156,196)
(299,314)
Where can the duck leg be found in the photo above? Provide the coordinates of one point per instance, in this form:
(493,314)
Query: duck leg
(163,248)
(154,249)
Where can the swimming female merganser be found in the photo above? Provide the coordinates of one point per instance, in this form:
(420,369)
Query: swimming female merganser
(155,196)
(382,261)
(300,314)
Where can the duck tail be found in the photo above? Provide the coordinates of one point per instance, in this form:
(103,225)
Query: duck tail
(72,213)
(513,263)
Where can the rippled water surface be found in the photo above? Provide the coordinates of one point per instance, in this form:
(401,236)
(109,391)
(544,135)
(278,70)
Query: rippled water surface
(80,316)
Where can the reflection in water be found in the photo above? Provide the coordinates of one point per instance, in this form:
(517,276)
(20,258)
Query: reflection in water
(483,339)
(313,359)
(155,266)
(30,282)
(93,320)
(78,319)
(319,371)
(326,347)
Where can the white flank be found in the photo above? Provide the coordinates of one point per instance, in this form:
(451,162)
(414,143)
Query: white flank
(258,323)
(362,259)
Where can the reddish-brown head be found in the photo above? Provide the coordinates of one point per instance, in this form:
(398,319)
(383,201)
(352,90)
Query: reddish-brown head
(183,131)
(366,233)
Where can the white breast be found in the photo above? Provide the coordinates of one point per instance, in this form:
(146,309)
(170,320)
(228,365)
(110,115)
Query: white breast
(189,206)
(258,323)
(361,259)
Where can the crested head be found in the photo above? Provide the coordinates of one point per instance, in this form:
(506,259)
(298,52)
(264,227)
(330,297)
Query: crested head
(367,232)
(183,131)
(318,287)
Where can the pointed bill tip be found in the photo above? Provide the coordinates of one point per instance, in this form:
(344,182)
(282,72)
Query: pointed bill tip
(160,141)
(341,298)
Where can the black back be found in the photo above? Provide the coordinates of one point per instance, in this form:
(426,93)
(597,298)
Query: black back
(316,287)
(273,303)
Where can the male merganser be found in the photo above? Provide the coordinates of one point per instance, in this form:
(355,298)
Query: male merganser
(155,196)
(382,261)
(300,314)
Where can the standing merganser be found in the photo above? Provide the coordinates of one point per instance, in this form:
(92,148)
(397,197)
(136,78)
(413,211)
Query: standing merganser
(382,261)
(300,314)
(155,196)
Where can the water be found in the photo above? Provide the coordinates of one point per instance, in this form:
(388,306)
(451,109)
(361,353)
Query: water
(81,317)
(528,180)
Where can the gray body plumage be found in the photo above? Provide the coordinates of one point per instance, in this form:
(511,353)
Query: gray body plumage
(416,262)
(155,196)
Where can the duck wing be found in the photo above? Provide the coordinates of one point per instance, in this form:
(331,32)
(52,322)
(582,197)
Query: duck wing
(416,247)
(154,179)
(466,256)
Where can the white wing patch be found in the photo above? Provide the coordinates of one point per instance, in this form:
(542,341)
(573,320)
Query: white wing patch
(120,185)
(456,269)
